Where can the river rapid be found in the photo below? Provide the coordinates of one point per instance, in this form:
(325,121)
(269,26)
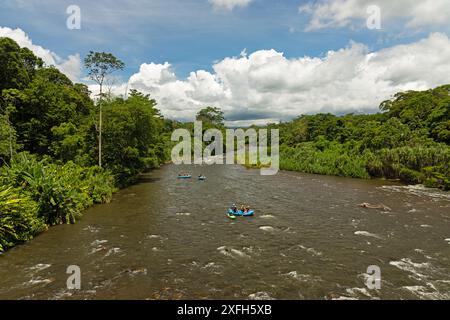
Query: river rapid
(165,238)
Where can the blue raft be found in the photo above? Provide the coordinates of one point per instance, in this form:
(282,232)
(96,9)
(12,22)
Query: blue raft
(184,177)
(240,213)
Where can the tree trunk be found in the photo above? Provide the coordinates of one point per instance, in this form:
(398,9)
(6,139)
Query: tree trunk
(100,131)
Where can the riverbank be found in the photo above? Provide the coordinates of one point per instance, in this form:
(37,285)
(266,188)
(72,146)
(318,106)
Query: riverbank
(391,165)
(35,195)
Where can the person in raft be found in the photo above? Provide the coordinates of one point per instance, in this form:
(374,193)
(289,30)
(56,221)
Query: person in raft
(234,208)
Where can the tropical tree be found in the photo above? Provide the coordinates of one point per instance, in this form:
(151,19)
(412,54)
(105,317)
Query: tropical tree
(134,139)
(100,65)
(211,116)
(18,65)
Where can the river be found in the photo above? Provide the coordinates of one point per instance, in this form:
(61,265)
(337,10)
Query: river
(165,238)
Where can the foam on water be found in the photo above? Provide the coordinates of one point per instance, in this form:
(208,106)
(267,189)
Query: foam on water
(38,280)
(418,190)
(428,291)
(113,251)
(267,228)
(233,253)
(302,277)
(185,214)
(267,216)
(368,234)
(92,229)
(416,269)
(40,267)
(311,251)
(359,293)
(98,242)
(260,296)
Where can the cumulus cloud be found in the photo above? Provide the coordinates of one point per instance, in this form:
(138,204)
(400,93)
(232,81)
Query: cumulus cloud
(265,86)
(71,66)
(229,4)
(343,13)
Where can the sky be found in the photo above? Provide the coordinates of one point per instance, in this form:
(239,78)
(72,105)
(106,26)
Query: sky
(259,60)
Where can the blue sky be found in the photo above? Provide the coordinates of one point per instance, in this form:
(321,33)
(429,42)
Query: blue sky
(322,58)
(190,34)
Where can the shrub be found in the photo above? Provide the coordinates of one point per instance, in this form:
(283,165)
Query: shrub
(19,221)
(61,192)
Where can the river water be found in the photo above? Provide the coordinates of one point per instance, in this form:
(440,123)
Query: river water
(170,239)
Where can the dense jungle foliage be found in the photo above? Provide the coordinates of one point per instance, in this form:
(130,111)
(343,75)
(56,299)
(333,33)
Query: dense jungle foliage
(49,145)
(409,140)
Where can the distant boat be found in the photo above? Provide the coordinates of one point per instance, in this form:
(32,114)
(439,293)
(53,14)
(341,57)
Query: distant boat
(185,177)
(202,178)
(240,213)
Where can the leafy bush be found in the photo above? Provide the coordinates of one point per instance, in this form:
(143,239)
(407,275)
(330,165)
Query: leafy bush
(19,221)
(61,192)
(411,176)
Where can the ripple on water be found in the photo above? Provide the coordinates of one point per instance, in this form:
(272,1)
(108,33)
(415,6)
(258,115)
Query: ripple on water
(368,234)
(260,296)
(184,214)
(358,293)
(302,277)
(38,281)
(427,291)
(232,253)
(418,190)
(267,216)
(416,269)
(267,228)
(113,251)
(40,267)
(213,268)
(92,229)
(311,251)
(98,242)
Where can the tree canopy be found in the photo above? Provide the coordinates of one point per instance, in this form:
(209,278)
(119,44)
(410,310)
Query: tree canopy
(211,116)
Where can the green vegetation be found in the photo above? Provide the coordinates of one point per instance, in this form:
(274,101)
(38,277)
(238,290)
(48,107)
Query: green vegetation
(211,117)
(409,141)
(52,137)
(100,66)
(61,151)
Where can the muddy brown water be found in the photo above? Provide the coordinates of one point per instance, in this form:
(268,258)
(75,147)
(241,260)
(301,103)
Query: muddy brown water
(166,238)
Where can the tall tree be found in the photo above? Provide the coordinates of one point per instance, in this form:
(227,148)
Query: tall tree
(211,116)
(49,101)
(6,127)
(18,65)
(100,65)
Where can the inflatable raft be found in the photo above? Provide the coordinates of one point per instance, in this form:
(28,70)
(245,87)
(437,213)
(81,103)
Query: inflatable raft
(240,213)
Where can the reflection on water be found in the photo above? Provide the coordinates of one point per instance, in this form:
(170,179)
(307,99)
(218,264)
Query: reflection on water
(170,239)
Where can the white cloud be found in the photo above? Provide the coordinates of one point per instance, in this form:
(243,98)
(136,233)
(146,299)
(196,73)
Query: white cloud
(266,86)
(343,13)
(70,66)
(229,4)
